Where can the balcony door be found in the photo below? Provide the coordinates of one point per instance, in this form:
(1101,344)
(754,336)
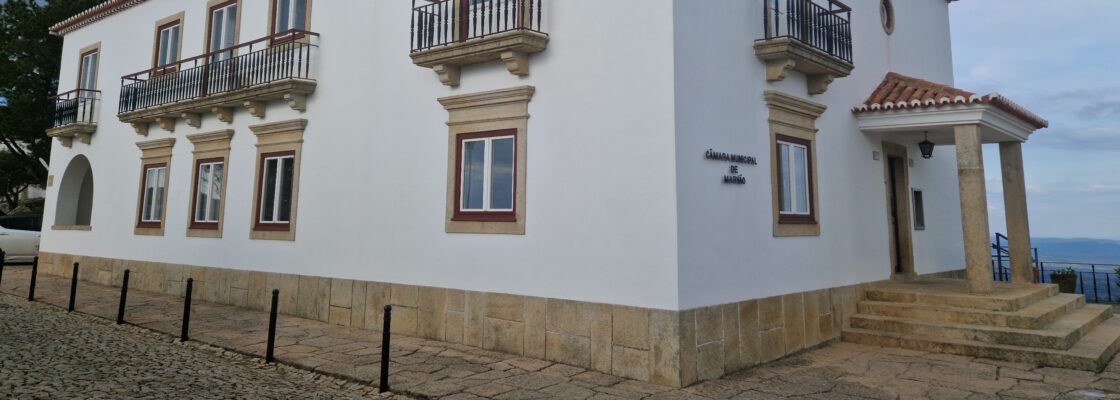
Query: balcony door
(167,47)
(223,30)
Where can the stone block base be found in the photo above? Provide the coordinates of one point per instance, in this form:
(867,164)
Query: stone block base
(671,348)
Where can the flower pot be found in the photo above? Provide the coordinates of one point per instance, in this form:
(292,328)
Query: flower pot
(1066,283)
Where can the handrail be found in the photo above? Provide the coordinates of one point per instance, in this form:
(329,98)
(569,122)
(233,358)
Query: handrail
(294,33)
(67,93)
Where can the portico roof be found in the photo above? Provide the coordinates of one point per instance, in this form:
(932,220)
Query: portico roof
(906,104)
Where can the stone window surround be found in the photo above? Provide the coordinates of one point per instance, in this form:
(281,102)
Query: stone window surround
(793,117)
(210,6)
(488,111)
(273,137)
(93,48)
(154,152)
(178,17)
(209,146)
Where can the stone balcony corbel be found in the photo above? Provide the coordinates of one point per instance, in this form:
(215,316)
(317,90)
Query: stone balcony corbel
(784,54)
(67,133)
(255,99)
(513,48)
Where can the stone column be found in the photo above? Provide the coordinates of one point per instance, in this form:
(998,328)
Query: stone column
(1015,205)
(974,208)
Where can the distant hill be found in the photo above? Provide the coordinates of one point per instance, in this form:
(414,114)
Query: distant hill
(1078,250)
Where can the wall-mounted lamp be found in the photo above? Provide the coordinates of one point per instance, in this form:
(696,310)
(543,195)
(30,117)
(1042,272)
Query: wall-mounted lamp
(926,147)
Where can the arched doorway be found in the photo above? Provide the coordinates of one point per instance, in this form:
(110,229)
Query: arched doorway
(74,204)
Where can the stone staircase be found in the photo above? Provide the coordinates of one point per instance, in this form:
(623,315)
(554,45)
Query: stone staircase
(1018,322)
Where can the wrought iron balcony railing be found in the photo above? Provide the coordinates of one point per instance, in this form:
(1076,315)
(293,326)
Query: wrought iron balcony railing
(447,22)
(78,106)
(827,29)
(286,55)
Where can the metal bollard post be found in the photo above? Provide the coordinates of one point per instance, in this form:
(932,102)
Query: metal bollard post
(384,386)
(2,255)
(34,271)
(124,295)
(187,311)
(272,326)
(73,288)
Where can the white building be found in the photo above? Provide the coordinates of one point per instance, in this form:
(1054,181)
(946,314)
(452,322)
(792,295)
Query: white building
(592,182)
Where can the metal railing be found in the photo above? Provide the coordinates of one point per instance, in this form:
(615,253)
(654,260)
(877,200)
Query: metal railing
(825,28)
(1001,258)
(446,22)
(75,106)
(1096,281)
(285,55)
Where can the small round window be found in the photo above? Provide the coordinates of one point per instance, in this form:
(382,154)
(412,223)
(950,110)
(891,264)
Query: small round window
(886,13)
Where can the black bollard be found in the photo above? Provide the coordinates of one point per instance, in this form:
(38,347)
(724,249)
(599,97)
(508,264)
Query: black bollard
(2,255)
(272,326)
(73,287)
(384,387)
(187,311)
(34,271)
(124,294)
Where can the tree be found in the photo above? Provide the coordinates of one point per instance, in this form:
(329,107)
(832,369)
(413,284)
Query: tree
(29,65)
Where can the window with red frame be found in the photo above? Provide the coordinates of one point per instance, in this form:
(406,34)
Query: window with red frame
(486,168)
(274,197)
(154,189)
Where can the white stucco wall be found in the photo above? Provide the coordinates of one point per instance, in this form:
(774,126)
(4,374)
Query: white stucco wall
(727,250)
(601,205)
(621,206)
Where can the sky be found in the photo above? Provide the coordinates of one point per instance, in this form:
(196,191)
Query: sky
(1061,60)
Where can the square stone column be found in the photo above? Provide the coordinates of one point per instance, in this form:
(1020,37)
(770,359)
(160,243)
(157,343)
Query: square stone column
(974,208)
(1015,206)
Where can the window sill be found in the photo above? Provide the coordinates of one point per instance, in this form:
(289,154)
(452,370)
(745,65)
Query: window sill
(273,232)
(515,227)
(85,228)
(784,229)
(205,230)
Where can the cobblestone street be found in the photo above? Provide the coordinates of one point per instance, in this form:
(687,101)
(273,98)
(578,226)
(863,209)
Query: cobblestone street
(47,353)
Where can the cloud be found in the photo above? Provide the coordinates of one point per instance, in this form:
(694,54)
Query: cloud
(1102,109)
(1084,139)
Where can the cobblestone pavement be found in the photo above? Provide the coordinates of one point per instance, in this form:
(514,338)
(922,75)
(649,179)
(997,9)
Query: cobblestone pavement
(431,369)
(46,353)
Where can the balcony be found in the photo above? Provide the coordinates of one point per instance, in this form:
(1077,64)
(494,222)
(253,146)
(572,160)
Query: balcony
(249,75)
(808,37)
(449,34)
(75,116)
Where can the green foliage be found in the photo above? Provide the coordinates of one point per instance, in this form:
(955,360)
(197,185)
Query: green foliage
(29,65)
(1062,273)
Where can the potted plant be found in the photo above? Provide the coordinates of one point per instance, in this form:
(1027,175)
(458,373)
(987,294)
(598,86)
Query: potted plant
(1066,279)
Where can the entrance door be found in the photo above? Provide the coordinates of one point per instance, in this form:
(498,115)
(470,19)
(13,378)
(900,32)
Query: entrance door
(892,183)
(897,187)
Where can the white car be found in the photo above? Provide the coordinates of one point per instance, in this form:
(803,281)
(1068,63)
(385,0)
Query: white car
(19,245)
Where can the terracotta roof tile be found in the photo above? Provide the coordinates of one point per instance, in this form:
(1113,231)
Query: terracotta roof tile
(899,91)
(91,15)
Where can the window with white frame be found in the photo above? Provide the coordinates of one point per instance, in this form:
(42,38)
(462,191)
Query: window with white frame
(486,178)
(167,45)
(208,192)
(794,177)
(290,14)
(155,186)
(275,199)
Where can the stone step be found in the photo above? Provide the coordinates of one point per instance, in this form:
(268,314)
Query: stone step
(1060,335)
(1035,316)
(1091,353)
(954,293)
